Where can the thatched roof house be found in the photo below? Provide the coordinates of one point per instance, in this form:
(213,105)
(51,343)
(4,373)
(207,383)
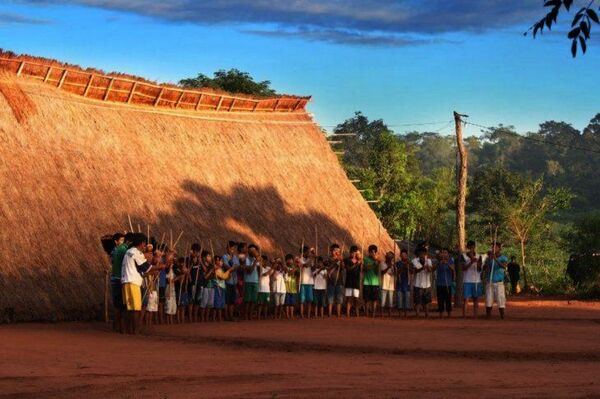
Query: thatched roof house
(73,168)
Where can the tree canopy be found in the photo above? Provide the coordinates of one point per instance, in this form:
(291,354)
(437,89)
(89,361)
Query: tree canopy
(232,81)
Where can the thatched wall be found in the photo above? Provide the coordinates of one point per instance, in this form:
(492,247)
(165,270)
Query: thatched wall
(72,169)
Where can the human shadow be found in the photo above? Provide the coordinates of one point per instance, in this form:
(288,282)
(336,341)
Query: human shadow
(250,214)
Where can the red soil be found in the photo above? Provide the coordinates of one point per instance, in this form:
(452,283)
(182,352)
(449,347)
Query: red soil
(544,348)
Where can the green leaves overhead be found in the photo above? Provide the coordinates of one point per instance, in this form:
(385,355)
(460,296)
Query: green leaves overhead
(581,23)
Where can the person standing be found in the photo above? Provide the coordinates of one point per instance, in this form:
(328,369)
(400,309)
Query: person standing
(444,280)
(231,261)
(388,277)
(403,282)
(371,281)
(116,257)
(335,280)
(494,272)
(352,266)
(133,267)
(422,268)
(307,280)
(514,274)
(472,286)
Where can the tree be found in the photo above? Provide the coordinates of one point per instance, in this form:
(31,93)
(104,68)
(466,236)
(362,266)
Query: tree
(584,263)
(379,161)
(232,81)
(581,25)
(526,214)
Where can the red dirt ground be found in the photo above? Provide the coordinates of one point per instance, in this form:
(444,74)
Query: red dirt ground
(547,348)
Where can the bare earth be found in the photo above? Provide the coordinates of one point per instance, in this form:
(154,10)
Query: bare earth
(547,348)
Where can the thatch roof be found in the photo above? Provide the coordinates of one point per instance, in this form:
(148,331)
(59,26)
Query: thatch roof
(72,169)
(124,88)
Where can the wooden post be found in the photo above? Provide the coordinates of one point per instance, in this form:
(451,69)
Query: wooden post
(21,66)
(220,102)
(199,101)
(255,105)
(131,92)
(297,105)
(158,97)
(89,83)
(62,78)
(108,89)
(232,104)
(461,202)
(276,104)
(179,99)
(48,72)
(106,289)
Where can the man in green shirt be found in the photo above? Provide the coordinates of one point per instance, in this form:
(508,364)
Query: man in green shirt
(371,281)
(116,258)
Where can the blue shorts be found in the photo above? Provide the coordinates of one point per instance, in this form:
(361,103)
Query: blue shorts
(403,300)
(320,298)
(219,298)
(306,293)
(184,299)
(472,290)
(335,294)
(230,294)
(291,299)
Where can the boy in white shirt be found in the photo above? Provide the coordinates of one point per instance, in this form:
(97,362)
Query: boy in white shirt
(320,287)
(388,273)
(264,287)
(422,268)
(472,286)
(133,267)
(279,290)
(307,281)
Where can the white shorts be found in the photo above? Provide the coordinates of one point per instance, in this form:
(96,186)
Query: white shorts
(279,298)
(495,293)
(352,292)
(152,302)
(208,298)
(387,298)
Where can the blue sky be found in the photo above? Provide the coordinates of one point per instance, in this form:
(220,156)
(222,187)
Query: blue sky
(404,61)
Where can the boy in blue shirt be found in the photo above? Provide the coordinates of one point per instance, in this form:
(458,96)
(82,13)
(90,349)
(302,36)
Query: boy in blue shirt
(403,282)
(494,271)
(444,279)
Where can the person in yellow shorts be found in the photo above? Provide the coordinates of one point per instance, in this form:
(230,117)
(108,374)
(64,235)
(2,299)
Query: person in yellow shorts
(134,265)
(132,297)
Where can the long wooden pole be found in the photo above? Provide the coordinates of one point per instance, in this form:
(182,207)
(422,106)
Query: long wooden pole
(379,277)
(106,280)
(130,224)
(300,269)
(461,201)
(177,240)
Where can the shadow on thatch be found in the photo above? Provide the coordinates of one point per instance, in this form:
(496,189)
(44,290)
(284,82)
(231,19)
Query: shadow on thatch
(250,214)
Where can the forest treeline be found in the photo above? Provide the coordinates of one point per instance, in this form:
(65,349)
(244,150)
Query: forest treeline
(536,187)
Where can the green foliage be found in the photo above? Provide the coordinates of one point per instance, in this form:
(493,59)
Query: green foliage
(232,81)
(554,151)
(584,265)
(524,186)
(585,235)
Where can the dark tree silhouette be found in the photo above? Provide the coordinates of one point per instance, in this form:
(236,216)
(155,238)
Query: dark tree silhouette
(581,25)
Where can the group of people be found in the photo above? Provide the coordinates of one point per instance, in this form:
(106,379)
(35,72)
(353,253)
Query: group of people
(154,284)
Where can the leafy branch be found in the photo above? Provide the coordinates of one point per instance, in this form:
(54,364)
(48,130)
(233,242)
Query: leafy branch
(581,26)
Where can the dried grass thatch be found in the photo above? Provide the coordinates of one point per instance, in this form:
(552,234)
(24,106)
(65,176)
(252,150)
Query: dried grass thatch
(119,87)
(75,168)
